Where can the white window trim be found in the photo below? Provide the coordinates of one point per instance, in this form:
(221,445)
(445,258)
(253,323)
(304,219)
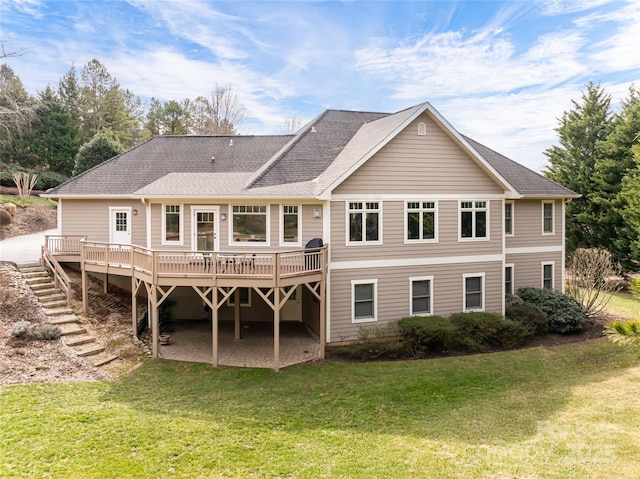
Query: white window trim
(464,290)
(180,242)
(281,226)
(553,217)
(513,277)
(474,238)
(422,129)
(231,301)
(364,242)
(355,282)
(421,278)
(553,273)
(513,214)
(257,244)
(435,222)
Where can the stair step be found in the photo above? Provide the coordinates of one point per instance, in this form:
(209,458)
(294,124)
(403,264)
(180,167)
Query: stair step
(54,303)
(77,341)
(35,274)
(103,358)
(57,311)
(51,297)
(38,280)
(64,319)
(43,293)
(30,268)
(48,286)
(89,350)
(71,328)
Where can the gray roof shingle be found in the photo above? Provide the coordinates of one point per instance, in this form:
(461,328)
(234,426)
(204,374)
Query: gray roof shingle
(306,163)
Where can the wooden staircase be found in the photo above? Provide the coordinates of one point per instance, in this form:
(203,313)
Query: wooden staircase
(60,314)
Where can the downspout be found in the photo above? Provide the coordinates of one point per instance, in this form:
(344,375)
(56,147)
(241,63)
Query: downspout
(147,210)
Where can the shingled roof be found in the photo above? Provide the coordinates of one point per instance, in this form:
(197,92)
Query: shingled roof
(305,164)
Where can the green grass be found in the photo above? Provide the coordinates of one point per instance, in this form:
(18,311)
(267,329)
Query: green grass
(21,202)
(625,305)
(566,412)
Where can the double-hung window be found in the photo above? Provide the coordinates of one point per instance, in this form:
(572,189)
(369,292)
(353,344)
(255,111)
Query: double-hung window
(474,292)
(421,222)
(421,291)
(508,279)
(547,275)
(172,224)
(547,217)
(474,216)
(250,223)
(290,225)
(508,218)
(364,223)
(363,300)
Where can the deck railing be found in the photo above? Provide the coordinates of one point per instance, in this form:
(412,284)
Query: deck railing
(60,278)
(204,263)
(63,245)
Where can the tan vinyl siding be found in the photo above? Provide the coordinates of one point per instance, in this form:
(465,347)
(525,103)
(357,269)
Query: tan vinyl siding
(527,224)
(527,269)
(91,218)
(311,227)
(393,293)
(414,164)
(393,234)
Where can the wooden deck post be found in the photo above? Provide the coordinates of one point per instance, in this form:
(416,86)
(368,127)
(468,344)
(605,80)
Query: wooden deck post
(153,307)
(236,314)
(214,326)
(323,318)
(276,329)
(134,307)
(85,291)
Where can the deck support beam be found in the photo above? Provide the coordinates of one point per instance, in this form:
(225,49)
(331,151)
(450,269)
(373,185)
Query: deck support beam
(85,291)
(276,329)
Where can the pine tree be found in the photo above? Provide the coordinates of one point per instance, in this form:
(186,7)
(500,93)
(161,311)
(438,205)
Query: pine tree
(573,164)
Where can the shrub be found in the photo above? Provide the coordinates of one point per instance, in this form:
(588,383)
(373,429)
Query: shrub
(532,317)
(511,299)
(48,332)
(634,287)
(423,334)
(20,330)
(479,331)
(49,179)
(565,313)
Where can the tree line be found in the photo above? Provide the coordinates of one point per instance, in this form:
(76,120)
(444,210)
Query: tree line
(598,156)
(88,117)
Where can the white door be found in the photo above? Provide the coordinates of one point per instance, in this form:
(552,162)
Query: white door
(204,229)
(120,225)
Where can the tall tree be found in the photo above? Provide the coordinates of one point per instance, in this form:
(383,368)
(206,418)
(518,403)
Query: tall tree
(103,145)
(630,195)
(173,119)
(573,163)
(55,139)
(614,172)
(69,93)
(220,113)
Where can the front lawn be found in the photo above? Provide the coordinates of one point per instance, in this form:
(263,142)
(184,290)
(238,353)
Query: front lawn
(564,412)
(624,305)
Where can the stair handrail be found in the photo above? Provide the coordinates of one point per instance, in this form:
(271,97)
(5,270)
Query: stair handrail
(60,277)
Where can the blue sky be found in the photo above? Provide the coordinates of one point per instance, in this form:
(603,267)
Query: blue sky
(500,72)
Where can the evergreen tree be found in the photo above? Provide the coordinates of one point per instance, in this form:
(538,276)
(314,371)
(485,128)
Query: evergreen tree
(614,172)
(102,146)
(55,138)
(573,164)
(69,93)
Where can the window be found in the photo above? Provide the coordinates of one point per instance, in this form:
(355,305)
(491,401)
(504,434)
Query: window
(172,224)
(508,218)
(547,217)
(547,275)
(508,279)
(364,222)
(422,128)
(245,297)
(421,221)
(250,224)
(474,292)
(290,225)
(363,294)
(473,220)
(121,221)
(421,293)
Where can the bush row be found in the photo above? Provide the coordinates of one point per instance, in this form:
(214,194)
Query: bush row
(533,311)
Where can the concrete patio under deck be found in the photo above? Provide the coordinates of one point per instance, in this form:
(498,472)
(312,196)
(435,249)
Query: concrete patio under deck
(191,341)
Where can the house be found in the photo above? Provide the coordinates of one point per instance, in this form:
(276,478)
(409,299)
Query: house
(414,218)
